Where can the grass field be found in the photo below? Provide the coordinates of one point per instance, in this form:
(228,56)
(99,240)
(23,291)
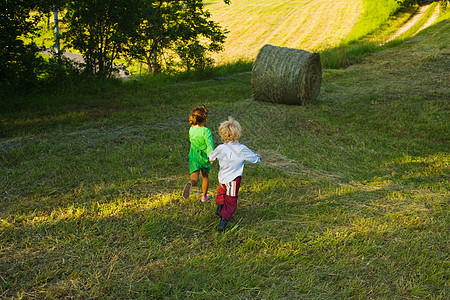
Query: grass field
(308,25)
(302,24)
(351,199)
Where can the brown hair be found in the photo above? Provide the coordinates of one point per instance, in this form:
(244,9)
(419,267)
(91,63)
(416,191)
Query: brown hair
(230,130)
(198,116)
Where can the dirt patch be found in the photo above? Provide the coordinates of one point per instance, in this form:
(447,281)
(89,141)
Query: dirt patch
(416,17)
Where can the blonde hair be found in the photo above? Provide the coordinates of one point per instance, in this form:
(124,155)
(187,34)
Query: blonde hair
(230,130)
(198,115)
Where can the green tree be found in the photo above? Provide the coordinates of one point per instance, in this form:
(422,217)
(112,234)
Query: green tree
(19,63)
(100,30)
(159,33)
(154,33)
(197,36)
(172,31)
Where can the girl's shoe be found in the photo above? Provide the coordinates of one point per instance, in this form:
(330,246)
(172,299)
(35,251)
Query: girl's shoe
(187,189)
(204,199)
(219,209)
(223,223)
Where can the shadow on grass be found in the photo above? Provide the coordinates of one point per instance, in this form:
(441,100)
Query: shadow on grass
(73,91)
(316,236)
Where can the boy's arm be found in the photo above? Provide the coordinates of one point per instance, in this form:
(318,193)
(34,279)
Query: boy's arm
(251,156)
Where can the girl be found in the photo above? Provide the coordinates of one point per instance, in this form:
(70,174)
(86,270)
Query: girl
(201,146)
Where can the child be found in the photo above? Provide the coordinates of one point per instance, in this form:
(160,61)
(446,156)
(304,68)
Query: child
(231,155)
(201,146)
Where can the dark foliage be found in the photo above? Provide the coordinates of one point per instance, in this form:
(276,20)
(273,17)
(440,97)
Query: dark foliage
(100,30)
(103,31)
(175,34)
(19,64)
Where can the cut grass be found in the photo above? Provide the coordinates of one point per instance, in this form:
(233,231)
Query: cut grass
(308,25)
(379,34)
(350,199)
(374,14)
(333,28)
(420,23)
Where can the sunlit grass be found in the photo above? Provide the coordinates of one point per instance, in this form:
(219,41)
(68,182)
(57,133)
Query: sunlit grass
(375,32)
(374,14)
(420,23)
(309,25)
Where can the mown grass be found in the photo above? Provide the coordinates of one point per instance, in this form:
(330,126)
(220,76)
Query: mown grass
(375,32)
(308,25)
(374,14)
(349,201)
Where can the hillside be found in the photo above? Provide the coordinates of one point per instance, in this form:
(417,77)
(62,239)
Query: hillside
(313,25)
(350,200)
(316,25)
(309,25)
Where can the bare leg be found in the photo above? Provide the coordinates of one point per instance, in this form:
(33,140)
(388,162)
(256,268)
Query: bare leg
(194,177)
(191,183)
(205,183)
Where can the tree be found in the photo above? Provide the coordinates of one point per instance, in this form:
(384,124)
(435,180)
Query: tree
(154,33)
(19,63)
(197,35)
(175,30)
(157,32)
(100,30)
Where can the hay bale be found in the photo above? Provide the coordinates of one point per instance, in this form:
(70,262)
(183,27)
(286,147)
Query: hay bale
(285,75)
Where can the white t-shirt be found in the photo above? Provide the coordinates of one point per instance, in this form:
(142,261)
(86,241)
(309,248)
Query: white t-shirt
(231,158)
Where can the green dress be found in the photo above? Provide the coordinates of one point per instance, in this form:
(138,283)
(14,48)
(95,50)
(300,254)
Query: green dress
(201,146)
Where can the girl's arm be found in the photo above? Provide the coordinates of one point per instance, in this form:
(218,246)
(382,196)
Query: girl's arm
(213,155)
(209,142)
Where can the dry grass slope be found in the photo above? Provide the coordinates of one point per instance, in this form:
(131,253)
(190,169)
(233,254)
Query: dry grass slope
(301,24)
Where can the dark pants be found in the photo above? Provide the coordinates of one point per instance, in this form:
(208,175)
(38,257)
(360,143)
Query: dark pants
(227,195)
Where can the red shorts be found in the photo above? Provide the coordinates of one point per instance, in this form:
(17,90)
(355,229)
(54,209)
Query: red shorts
(227,195)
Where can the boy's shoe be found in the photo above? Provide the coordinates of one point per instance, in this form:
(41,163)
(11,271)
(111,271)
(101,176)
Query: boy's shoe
(204,199)
(187,189)
(223,223)
(219,209)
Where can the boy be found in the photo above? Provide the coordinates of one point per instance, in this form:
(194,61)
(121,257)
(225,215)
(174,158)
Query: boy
(231,155)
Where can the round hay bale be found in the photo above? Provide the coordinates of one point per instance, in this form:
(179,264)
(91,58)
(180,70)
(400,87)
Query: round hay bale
(286,75)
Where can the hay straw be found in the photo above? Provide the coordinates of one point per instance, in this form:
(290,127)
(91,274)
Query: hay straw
(287,76)
(274,160)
